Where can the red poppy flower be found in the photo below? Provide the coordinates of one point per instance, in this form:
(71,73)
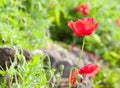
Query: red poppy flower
(89,70)
(83,27)
(83,8)
(118,22)
(72,77)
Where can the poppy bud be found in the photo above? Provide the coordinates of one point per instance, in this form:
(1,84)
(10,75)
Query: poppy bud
(79,78)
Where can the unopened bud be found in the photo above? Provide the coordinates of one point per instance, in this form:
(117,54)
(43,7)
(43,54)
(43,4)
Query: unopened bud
(62,67)
(79,78)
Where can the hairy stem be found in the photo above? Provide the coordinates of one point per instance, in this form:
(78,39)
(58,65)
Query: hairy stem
(81,52)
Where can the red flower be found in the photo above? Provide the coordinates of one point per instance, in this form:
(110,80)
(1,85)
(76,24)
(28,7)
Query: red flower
(83,26)
(83,8)
(118,22)
(89,70)
(72,77)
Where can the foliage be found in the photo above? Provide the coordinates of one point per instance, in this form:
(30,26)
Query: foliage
(21,25)
(107,78)
(104,42)
(25,24)
(27,75)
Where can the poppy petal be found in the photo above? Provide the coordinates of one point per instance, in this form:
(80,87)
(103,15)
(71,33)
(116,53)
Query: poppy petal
(80,29)
(90,70)
(83,8)
(89,31)
(71,24)
(72,77)
(88,19)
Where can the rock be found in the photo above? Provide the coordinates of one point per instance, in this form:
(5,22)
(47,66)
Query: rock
(68,58)
(7,56)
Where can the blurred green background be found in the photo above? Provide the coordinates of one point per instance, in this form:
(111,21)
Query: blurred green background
(31,24)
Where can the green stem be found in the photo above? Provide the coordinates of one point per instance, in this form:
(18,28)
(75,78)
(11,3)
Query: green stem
(78,60)
(81,52)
